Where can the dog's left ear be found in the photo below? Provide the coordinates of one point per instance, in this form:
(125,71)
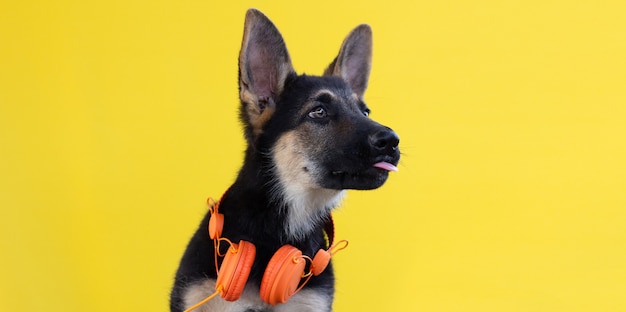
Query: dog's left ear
(354,61)
(264,64)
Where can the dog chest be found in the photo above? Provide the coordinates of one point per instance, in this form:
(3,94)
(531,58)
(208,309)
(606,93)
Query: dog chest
(307,300)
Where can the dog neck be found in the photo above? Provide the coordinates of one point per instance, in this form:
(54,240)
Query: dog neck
(294,188)
(297,208)
(305,210)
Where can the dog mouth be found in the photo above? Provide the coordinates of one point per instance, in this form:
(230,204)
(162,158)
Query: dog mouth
(383,165)
(370,177)
(386,166)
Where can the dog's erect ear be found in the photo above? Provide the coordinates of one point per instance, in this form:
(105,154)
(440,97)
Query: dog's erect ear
(354,60)
(264,64)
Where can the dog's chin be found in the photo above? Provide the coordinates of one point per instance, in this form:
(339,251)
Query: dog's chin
(368,179)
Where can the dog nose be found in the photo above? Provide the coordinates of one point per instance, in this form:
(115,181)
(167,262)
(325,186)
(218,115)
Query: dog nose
(385,140)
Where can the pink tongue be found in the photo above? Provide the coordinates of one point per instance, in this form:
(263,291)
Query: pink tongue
(386,166)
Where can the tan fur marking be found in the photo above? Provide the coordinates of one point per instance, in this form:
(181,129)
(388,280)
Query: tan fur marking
(250,299)
(304,301)
(322,91)
(256,118)
(306,200)
(355,97)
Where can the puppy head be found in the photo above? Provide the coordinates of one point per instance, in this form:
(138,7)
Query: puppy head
(315,130)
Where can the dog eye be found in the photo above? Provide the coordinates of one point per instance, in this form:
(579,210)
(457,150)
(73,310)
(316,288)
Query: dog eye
(317,112)
(366,113)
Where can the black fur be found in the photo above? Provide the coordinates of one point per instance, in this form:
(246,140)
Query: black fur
(249,216)
(329,115)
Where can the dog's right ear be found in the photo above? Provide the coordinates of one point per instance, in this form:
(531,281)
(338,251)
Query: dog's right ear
(264,64)
(354,60)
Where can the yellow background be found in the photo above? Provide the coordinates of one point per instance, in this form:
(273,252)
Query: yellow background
(118,119)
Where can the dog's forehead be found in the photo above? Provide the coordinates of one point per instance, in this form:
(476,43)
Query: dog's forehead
(307,85)
(312,88)
(342,97)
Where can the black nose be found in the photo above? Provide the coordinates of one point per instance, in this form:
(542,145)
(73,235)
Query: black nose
(385,141)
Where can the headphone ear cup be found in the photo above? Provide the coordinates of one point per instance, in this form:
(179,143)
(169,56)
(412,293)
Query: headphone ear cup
(320,262)
(282,275)
(216,224)
(235,269)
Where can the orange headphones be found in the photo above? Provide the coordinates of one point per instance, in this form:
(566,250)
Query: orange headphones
(283,273)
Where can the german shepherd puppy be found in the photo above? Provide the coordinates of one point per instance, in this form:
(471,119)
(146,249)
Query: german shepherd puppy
(309,138)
